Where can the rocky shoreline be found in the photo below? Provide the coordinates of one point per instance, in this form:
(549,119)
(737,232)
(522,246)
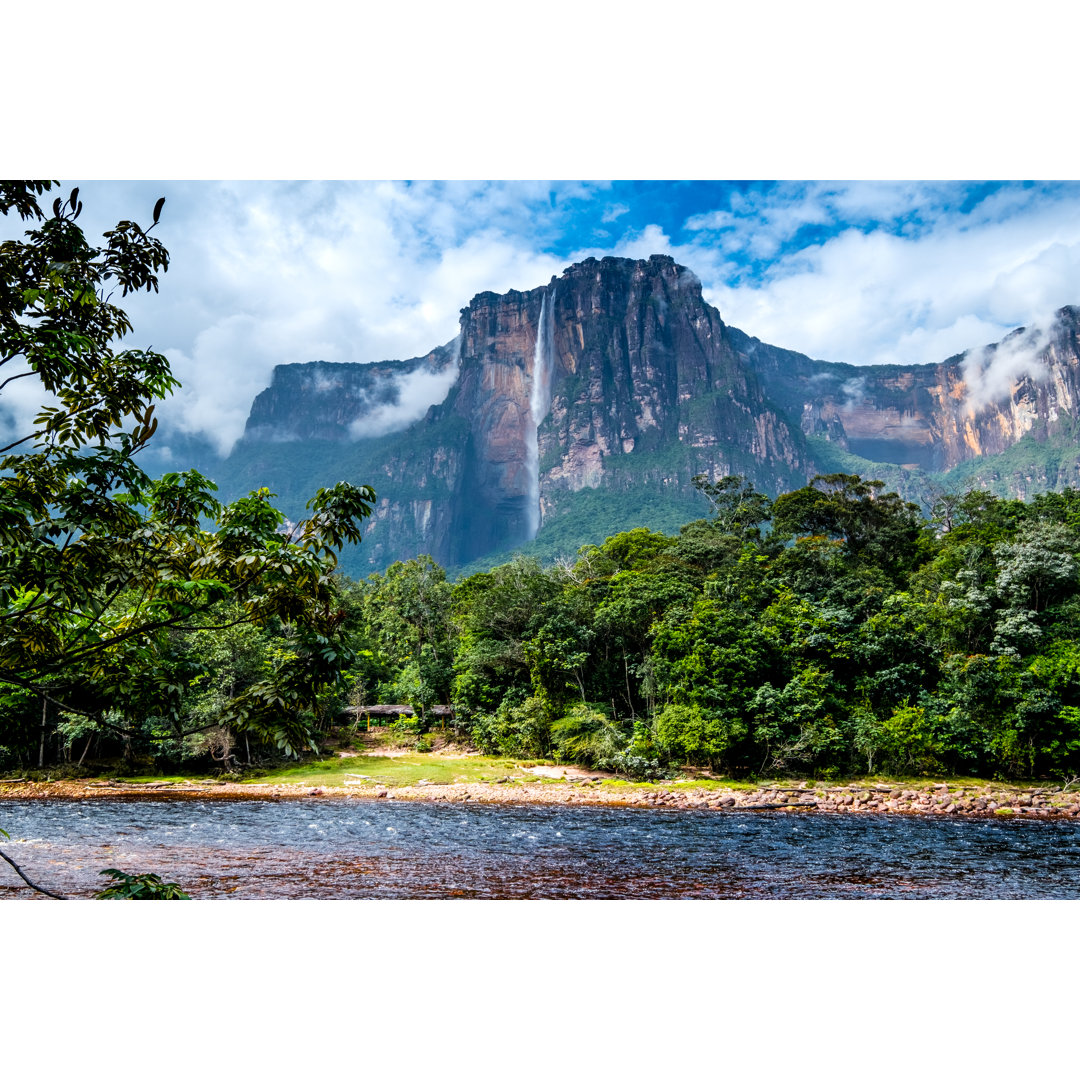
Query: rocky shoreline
(971,799)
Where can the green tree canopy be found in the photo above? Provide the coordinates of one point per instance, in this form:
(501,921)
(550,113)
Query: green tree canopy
(99,563)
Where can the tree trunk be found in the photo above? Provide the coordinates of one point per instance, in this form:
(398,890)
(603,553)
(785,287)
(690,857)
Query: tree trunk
(129,752)
(41,745)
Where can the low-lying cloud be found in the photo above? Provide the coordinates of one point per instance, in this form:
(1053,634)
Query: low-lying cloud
(413,394)
(992,372)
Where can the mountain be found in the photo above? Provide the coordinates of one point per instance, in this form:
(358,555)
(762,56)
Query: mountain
(586,405)
(326,400)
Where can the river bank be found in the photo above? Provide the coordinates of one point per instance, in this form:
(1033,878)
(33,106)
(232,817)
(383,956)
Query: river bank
(963,799)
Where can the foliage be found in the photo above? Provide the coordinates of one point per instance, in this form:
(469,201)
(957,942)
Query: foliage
(875,527)
(105,574)
(140,887)
(737,508)
(851,636)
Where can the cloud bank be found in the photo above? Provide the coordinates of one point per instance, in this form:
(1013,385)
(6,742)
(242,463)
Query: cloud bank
(890,274)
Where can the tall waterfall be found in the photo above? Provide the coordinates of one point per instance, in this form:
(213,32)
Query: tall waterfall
(539,404)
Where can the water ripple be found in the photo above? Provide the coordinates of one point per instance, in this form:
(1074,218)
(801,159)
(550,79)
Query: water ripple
(319,849)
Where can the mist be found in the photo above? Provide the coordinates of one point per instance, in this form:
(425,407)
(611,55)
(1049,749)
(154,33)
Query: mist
(991,373)
(410,398)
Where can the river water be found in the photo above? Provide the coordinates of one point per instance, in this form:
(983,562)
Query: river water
(358,849)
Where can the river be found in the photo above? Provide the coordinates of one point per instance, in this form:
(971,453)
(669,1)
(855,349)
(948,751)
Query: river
(360,849)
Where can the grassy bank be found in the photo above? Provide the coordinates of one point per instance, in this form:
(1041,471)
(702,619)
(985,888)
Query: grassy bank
(400,770)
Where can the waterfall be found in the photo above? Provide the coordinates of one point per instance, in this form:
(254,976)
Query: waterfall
(539,404)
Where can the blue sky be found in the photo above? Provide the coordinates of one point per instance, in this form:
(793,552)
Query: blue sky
(865,272)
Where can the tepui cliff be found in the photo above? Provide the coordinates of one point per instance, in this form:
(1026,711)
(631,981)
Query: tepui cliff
(612,386)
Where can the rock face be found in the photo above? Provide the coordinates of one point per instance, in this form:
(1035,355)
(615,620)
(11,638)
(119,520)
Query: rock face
(647,388)
(643,365)
(935,416)
(639,364)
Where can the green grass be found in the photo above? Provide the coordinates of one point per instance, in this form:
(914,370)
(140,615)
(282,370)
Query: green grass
(699,783)
(397,771)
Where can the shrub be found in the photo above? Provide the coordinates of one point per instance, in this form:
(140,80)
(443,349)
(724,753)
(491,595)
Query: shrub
(140,887)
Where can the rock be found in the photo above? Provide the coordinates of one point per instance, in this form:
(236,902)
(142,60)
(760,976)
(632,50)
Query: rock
(639,365)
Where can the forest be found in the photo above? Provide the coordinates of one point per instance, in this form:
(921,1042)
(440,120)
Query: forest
(830,633)
(145,626)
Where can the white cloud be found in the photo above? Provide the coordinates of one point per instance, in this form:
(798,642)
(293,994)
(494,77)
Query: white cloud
(633,244)
(991,372)
(614,211)
(229,364)
(416,392)
(875,297)
(268,274)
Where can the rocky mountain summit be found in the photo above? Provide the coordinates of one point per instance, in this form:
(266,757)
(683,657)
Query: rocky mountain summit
(587,404)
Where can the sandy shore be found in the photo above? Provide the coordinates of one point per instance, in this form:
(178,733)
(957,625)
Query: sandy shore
(972,799)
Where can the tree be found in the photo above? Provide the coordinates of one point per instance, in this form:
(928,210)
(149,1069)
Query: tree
(877,528)
(737,508)
(406,617)
(101,568)
(494,613)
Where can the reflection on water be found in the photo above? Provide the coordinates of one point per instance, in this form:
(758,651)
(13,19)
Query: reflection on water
(359,849)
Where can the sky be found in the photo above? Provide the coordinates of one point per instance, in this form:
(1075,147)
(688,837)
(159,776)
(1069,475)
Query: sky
(265,273)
